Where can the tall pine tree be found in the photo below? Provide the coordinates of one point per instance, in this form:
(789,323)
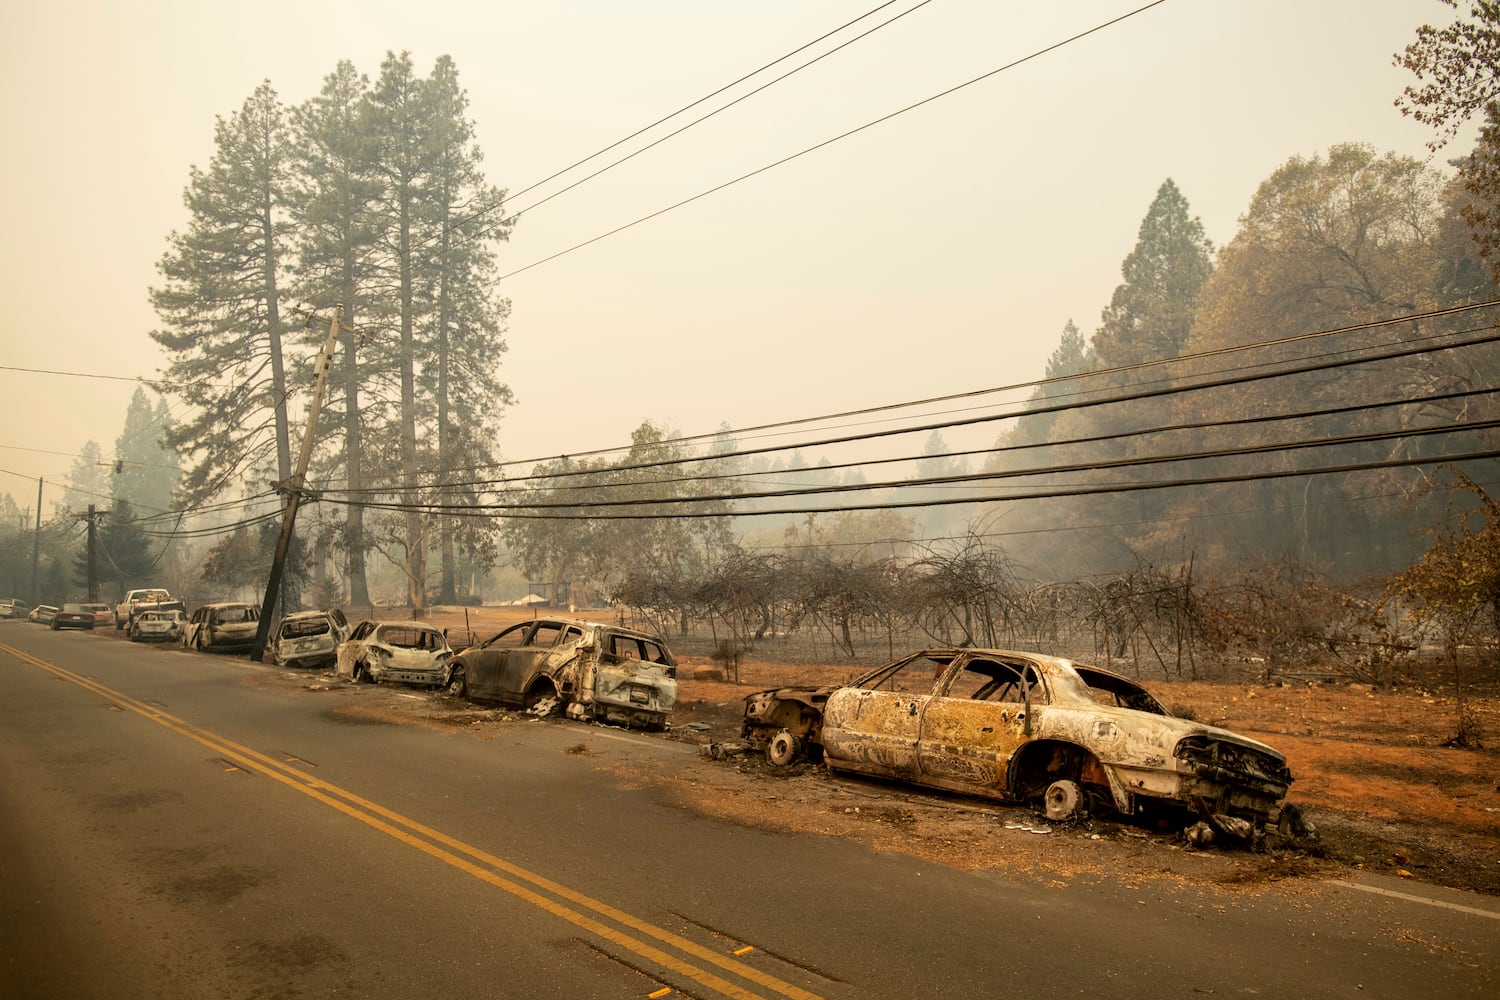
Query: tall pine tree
(220,302)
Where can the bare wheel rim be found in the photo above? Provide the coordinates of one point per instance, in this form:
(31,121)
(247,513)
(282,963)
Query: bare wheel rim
(784,748)
(1063,800)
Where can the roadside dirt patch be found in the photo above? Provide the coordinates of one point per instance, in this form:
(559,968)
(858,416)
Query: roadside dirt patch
(1372,772)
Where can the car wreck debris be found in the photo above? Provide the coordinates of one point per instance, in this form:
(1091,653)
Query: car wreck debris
(1068,737)
(591,671)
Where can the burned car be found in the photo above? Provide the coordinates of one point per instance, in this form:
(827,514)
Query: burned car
(156,626)
(309,638)
(397,652)
(787,722)
(591,671)
(1024,727)
(226,625)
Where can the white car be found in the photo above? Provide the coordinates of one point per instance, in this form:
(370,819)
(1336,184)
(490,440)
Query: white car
(309,638)
(403,652)
(157,626)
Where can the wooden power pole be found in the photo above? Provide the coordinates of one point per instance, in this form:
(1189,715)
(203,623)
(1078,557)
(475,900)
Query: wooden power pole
(294,489)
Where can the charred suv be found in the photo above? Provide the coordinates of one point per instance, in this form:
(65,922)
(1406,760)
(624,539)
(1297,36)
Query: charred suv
(592,671)
(1028,728)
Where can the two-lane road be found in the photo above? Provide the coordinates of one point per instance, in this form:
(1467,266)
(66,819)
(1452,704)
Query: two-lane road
(175,826)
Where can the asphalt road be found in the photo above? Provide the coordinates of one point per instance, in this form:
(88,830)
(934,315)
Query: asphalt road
(182,825)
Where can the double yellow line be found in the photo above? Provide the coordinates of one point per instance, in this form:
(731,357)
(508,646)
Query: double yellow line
(567,904)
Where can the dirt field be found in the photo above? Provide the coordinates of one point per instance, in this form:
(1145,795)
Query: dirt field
(1371,772)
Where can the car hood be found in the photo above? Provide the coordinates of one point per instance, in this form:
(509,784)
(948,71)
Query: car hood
(1106,725)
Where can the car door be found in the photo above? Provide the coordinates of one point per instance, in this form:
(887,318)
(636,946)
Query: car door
(485,665)
(978,717)
(349,649)
(340,625)
(193,627)
(873,727)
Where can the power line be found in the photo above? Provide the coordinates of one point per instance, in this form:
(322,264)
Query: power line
(688,107)
(844,135)
(1213,383)
(1092,490)
(758,429)
(948,481)
(989,451)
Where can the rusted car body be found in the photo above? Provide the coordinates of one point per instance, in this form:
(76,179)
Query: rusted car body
(395,652)
(309,638)
(786,723)
(225,625)
(157,626)
(1031,728)
(592,671)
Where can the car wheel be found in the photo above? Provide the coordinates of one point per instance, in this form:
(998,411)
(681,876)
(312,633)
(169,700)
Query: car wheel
(361,675)
(542,699)
(53,625)
(1063,800)
(458,684)
(784,749)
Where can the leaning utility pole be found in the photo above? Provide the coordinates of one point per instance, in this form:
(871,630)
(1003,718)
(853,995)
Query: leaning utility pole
(294,489)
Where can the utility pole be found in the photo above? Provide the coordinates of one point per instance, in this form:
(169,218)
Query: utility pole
(294,488)
(36,548)
(92,517)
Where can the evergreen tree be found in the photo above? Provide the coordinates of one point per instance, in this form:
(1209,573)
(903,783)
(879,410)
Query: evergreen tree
(1148,320)
(220,302)
(336,189)
(1073,356)
(124,558)
(1149,317)
(88,481)
(145,468)
(404,160)
(462,334)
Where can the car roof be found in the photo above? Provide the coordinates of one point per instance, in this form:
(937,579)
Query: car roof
(382,623)
(586,623)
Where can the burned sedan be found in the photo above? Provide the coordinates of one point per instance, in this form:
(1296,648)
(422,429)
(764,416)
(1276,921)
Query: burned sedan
(591,671)
(1031,728)
(156,626)
(399,652)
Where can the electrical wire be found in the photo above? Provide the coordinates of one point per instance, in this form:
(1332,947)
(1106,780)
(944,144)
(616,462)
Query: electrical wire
(828,142)
(1211,383)
(1092,490)
(1280,447)
(1030,407)
(476,216)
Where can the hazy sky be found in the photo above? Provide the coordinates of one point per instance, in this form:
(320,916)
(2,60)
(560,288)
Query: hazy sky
(938,252)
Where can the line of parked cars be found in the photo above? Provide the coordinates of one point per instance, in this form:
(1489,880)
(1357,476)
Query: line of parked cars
(581,669)
(1017,726)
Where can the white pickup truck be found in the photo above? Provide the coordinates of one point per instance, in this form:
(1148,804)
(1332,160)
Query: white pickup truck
(144,599)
